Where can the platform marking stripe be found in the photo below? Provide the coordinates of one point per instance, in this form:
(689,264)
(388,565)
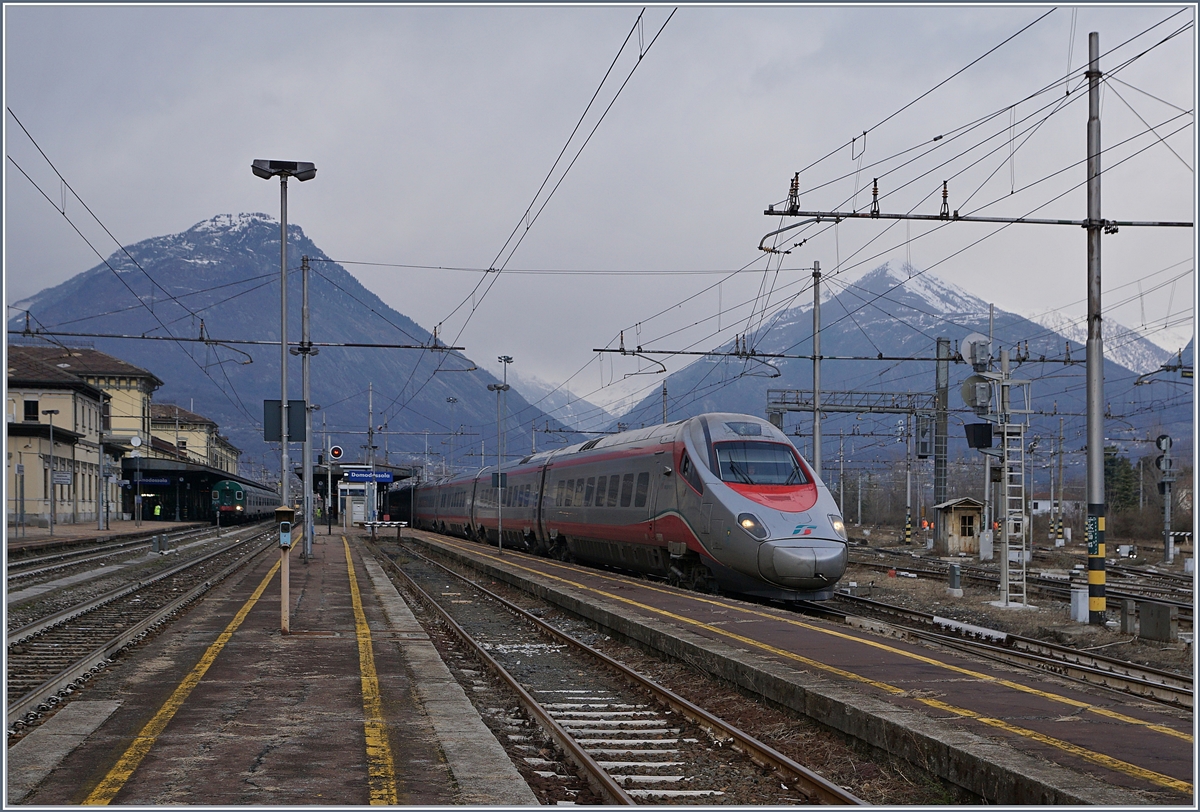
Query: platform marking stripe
(1074,749)
(1016,686)
(123,770)
(381,769)
(1112,763)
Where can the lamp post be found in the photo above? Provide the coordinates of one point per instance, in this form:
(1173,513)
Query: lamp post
(500,389)
(51,413)
(301,171)
(451,401)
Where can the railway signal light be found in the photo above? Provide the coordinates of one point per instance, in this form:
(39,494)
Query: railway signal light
(335,453)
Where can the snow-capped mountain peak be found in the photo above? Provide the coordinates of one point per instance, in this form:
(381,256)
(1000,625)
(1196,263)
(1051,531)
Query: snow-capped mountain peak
(1121,344)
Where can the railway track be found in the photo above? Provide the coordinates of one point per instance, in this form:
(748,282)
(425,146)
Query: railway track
(70,559)
(1082,666)
(1178,593)
(630,739)
(52,657)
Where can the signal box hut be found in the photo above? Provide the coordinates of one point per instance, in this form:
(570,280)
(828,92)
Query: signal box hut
(959,523)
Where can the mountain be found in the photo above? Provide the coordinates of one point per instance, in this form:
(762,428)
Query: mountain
(219,280)
(1121,344)
(891,313)
(573,411)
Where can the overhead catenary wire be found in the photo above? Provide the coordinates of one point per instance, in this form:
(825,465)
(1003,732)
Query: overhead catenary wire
(236,400)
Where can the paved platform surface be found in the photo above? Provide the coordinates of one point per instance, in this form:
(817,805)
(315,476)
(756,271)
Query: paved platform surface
(352,707)
(1008,735)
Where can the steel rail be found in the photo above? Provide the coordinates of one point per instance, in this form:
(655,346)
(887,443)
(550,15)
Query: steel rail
(1051,586)
(51,690)
(601,782)
(1093,669)
(758,752)
(29,630)
(84,554)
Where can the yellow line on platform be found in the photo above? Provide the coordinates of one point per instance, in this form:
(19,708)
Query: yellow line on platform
(381,769)
(1098,758)
(123,770)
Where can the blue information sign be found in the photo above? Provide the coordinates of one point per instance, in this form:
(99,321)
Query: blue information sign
(368,476)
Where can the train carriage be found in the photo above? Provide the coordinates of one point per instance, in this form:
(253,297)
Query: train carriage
(717,501)
(234,502)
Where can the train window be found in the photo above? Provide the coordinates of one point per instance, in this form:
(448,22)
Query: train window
(601,490)
(568,492)
(526,497)
(591,489)
(643,485)
(758,463)
(614,482)
(239,496)
(558,493)
(626,490)
(579,491)
(690,474)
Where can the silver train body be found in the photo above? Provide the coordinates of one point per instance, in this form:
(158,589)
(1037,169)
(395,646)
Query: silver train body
(714,502)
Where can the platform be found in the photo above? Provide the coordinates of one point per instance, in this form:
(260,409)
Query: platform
(1009,736)
(353,706)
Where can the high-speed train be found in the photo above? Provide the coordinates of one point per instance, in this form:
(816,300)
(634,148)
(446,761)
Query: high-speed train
(714,502)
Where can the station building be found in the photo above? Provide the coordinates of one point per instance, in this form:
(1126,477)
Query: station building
(160,460)
(59,458)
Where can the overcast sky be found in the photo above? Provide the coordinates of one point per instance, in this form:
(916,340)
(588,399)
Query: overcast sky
(433,129)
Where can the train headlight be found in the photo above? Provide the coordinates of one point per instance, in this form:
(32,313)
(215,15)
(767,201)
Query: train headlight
(750,523)
(239,507)
(839,526)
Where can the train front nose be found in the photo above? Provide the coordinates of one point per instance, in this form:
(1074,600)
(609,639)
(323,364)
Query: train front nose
(811,564)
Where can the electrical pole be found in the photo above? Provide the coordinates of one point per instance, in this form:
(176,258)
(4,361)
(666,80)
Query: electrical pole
(370,489)
(500,389)
(306,349)
(908,479)
(842,472)
(817,367)
(1095,350)
(284,462)
(1062,489)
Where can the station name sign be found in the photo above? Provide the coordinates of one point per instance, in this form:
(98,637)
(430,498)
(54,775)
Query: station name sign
(369,476)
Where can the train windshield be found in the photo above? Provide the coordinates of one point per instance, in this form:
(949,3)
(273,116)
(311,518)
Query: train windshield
(758,463)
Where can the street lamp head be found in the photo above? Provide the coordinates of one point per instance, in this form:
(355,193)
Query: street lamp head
(49,411)
(506,359)
(452,400)
(498,387)
(300,170)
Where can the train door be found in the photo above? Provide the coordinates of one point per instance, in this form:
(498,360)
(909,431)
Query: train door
(662,493)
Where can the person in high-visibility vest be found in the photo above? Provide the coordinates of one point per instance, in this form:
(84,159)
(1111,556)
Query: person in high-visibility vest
(157,511)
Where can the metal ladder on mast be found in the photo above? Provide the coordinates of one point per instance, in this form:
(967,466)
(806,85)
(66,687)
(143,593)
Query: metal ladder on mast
(1015,526)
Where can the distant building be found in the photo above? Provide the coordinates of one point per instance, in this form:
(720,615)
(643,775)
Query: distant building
(192,437)
(81,461)
(162,459)
(1070,507)
(130,388)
